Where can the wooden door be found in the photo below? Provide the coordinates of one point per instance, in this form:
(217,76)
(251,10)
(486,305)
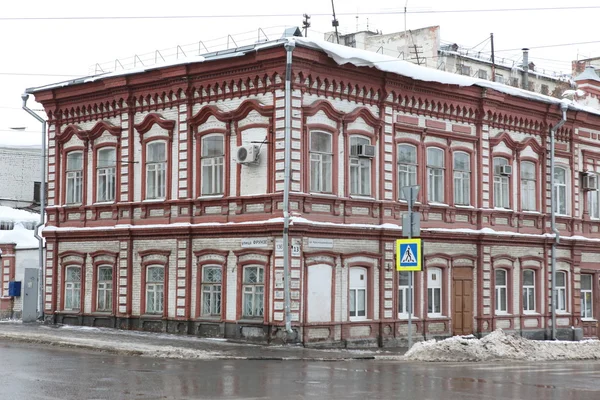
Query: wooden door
(462,301)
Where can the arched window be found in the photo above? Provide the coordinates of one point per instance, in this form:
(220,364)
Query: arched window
(155,288)
(435,174)
(212,278)
(501,289)
(501,183)
(104,289)
(74,177)
(586,296)
(462,178)
(360,168)
(357,296)
(405,303)
(407,167)
(212,162)
(528,186)
(72,288)
(560,298)
(321,161)
(560,184)
(254,291)
(434,292)
(594,200)
(106,167)
(156,170)
(528,291)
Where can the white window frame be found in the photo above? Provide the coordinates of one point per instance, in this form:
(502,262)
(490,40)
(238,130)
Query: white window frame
(356,287)
(501,185)
(435,175)
(253,292)
(434,291)
(155,290)
(360,168)
(529,293)
(72,289)
(528,186)
(594,202)
(462,179)
(407,167)
(74,179)
(106,170)
(212,165)
(560,297)
(501,292)
(156,173)
(321,165)
(212,291)
(403,300)
(587,297)
(104,290)
(562,191)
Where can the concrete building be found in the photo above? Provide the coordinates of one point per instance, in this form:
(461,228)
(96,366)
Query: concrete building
(20,174)
(165,198)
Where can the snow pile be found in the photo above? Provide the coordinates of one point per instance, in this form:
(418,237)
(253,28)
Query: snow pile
(500,346)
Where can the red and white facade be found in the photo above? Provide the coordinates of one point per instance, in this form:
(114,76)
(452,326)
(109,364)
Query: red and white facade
(153,224)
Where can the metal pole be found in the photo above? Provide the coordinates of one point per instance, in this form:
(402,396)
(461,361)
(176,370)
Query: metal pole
(289,47)
(410,274)
(563,107)
(493,61)
(37,235)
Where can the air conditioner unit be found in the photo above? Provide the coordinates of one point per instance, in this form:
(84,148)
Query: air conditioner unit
(247,154)
(364,150)
(504,170)
(590,182)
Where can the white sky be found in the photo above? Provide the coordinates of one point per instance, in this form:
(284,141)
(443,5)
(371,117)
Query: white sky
(71,47)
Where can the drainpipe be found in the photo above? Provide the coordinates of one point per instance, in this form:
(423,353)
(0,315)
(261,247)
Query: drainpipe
(563,108)
(526,69)
(37,235)
(289,48)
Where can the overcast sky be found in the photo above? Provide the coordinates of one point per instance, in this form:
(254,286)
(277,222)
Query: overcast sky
(44,42)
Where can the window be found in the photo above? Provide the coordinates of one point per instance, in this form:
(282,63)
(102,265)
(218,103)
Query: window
(407,167)
(482,74)
(462,179)
(501,291)
(213,155)
(434,292)
(545,89)
(105,289)
(560,297)
(72,288)
(74,177)
(211,290)
(528,184)
(106,174)
(155,288)
(37,190)
(435,174)
(465,70)
(254,288)
(357,297)
(501,184)
(560,184)
(321,158)
(360,168)
(404,302)
(499,78)
(594,202)
(586,297)
(514,82)
(156,165)
(528,291)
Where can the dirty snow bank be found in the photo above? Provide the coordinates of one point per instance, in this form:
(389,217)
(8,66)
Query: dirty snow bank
(501,346)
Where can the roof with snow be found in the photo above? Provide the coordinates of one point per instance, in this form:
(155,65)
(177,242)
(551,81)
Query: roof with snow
(588,74)
(19,235)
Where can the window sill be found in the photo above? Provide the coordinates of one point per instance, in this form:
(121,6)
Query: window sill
(359,319)
(502,314)
(436,316)
(322,194)
(437,204)
(464,206)
(405,317)
(154,200)
(250,320)
(361,197)
(589,320)
(531,313)
(211,197)
(104,203)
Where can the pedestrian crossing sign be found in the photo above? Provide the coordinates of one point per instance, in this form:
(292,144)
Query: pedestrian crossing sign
(409,255)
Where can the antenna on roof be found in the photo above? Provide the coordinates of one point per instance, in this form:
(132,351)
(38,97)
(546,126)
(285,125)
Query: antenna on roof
(335,23)
(306,24)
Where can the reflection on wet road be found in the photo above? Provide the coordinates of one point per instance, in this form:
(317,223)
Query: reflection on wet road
(35,372)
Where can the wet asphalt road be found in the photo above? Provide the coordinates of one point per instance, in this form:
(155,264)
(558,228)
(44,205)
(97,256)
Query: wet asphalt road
(35,372)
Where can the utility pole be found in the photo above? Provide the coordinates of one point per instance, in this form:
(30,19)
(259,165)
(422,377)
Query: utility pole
(335,23)
(306,24)
(411,226)
(493,61)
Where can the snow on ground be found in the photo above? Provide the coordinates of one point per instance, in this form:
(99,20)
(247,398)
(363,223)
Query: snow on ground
(501,346)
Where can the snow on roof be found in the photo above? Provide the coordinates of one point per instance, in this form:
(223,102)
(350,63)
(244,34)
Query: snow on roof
(589,73)
(21,237)
(13,215)
(21,140)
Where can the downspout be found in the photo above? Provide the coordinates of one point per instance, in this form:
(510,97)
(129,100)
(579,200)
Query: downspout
(563,108)
(37,235)
(289,48)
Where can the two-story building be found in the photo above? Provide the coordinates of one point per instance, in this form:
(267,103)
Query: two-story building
(165,199)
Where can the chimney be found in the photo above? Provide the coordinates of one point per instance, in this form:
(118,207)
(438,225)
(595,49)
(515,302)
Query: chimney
(526,69)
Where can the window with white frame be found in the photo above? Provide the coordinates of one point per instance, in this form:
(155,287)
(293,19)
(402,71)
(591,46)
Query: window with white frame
(104,289)
(212,278)
(212,161)
(528,186)
(106,167)
(155,289)
(594,202)
(357,297)
(407,167)
(156,170)
(586,296)
(360,168)
(435,174)
(560,296)
(501,289)
(462,178)
(528,291)
(405,303)
(501,184)
(321,161)
(254,290)
(72,288)
(434,292)
(74,177)
(560,185)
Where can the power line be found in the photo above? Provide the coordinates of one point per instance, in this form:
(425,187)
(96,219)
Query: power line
(38,74)
(554,45)
(150,17)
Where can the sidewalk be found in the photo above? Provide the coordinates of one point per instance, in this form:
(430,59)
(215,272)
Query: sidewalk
(163,345)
